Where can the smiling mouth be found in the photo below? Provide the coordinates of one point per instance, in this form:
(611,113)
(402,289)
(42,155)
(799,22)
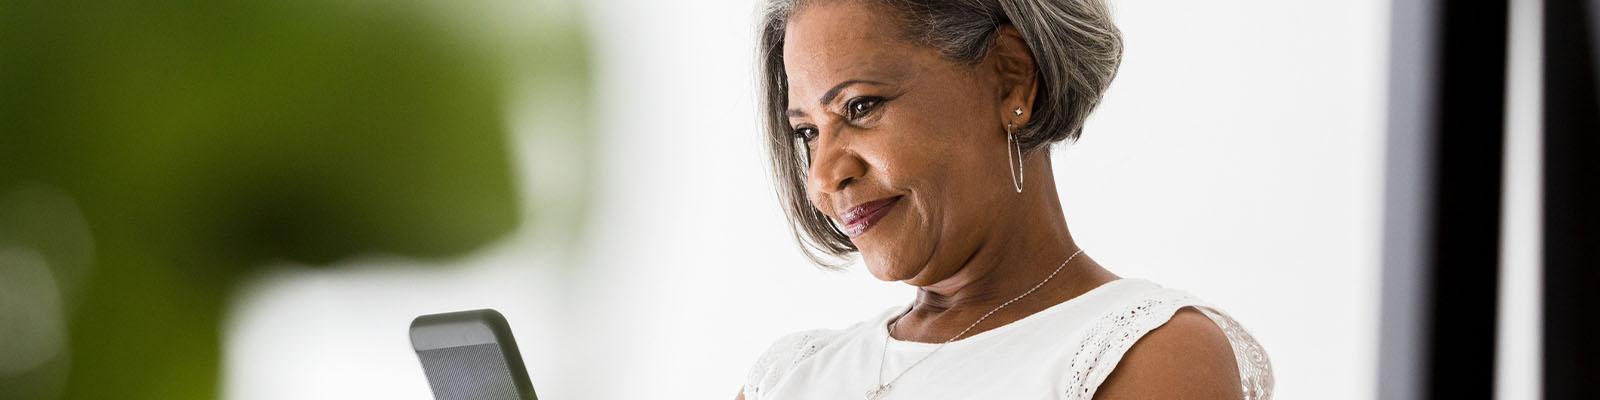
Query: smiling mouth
(862,217)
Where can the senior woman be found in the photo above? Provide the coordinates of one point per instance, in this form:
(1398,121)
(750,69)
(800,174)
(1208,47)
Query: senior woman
(918,133)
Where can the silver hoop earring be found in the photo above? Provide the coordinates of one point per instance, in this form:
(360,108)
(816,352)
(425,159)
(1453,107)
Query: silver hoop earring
(1016,171)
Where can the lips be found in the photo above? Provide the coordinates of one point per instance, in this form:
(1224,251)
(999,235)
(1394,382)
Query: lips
(863,216)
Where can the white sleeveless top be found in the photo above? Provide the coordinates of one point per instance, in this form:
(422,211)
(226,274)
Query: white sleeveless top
(1062,352)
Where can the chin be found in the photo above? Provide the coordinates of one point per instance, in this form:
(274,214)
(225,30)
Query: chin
(887,268)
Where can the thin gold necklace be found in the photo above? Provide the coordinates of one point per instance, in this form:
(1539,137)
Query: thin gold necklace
(883,387)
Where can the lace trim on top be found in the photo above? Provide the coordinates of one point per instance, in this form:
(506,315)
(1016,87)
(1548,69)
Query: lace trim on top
(1255,370)
(783,355)
(1113,334)
(1098,353)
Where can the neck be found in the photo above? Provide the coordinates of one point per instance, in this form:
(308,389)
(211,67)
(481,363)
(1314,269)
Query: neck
(1006,265)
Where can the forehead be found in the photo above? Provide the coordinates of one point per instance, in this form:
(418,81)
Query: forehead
(835,41)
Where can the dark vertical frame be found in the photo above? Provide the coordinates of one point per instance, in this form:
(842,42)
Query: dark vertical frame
(1469,189)
(1571,200)
(1443,199)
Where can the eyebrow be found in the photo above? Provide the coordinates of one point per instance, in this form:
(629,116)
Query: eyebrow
(827,97)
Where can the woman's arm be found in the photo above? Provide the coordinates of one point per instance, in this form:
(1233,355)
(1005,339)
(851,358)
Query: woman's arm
(1188,357)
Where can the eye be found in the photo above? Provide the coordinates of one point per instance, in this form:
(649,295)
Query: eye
(806,133)
(860,106)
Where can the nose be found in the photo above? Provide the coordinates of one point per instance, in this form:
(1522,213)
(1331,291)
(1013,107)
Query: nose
(835,164)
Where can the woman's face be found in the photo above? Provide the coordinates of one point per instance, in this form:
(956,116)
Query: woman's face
(907,149)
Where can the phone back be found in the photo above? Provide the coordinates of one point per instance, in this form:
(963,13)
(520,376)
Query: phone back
(470,355)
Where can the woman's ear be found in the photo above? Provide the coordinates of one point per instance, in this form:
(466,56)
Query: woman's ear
(1019,76)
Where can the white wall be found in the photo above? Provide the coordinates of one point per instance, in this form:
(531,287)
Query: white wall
(1236,156)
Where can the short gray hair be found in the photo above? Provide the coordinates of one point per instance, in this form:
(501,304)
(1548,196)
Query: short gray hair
(1076,49)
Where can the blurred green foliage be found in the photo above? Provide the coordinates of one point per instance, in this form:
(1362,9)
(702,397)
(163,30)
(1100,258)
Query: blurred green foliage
(197,140)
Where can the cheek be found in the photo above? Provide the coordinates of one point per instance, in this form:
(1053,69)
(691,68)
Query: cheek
(815,197)
(941,153)
(920,164)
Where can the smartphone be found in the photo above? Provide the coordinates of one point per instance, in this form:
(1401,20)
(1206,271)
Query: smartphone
(470,355)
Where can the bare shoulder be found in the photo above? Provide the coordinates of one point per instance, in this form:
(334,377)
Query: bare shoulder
(1187,358)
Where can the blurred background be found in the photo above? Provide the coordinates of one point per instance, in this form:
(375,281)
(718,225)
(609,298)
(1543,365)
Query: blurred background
(252,199)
